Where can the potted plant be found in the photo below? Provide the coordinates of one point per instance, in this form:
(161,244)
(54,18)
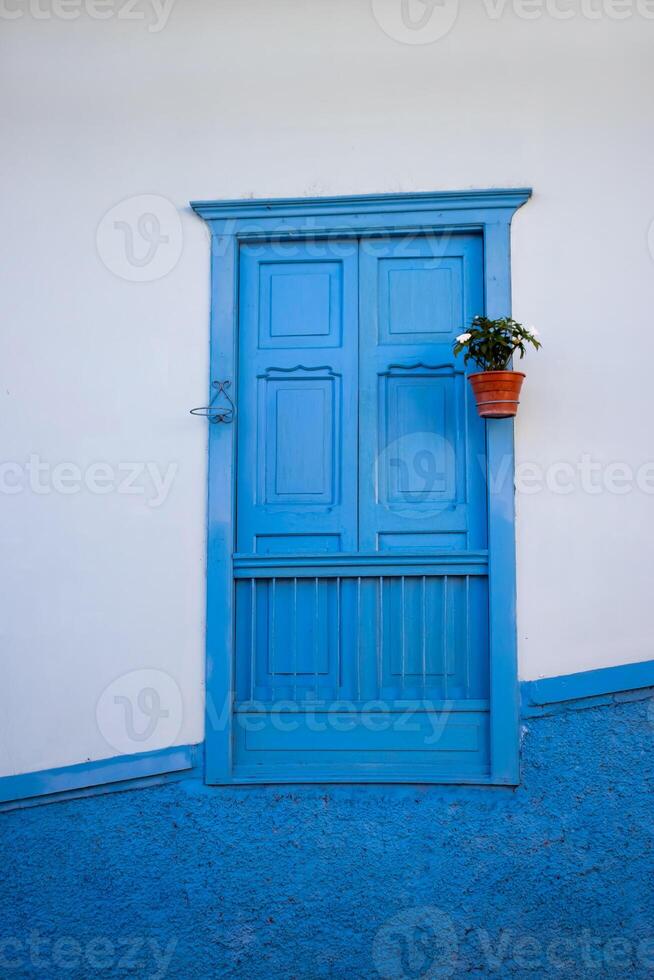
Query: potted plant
(490,344)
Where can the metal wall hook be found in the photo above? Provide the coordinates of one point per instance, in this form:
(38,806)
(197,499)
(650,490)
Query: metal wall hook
(218,412)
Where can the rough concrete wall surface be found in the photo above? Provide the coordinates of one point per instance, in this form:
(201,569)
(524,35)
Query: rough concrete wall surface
(187,881)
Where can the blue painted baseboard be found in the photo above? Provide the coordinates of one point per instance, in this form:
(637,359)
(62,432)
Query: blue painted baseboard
(120,772)
(182,762)
(588,684)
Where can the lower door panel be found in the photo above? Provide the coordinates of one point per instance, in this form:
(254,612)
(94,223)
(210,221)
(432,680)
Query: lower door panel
(365,667)
(410,744)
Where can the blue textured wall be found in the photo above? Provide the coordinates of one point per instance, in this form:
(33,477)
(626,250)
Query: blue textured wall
(554,878)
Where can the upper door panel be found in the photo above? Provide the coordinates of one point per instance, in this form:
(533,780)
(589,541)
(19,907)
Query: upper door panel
(297,442)
(422,445)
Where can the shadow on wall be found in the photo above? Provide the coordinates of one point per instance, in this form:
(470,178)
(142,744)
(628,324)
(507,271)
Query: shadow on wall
(554,878)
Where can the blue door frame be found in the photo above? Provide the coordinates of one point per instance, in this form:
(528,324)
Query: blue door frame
(235,223)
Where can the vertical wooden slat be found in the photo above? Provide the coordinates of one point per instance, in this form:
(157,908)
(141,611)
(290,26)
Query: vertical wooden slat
(316,634)
(358,643)
(403,627)
(424,636)
(253,634)
(339,665)
(445,639)
(380,634)
(295,639)
(273,682)
(467,645)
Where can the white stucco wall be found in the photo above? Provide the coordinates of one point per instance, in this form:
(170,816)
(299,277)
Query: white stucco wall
(312,97)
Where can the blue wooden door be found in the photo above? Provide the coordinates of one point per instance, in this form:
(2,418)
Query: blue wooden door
(361,599)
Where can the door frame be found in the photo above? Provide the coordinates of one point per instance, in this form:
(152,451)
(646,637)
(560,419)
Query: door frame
(233,223)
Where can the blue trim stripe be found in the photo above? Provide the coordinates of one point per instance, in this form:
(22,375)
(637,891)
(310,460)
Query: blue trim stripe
(124,769)
(589,684)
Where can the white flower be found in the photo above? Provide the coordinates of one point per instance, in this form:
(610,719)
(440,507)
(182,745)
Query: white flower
(463,338)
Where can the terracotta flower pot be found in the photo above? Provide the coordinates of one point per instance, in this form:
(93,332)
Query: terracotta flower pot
(497,392)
